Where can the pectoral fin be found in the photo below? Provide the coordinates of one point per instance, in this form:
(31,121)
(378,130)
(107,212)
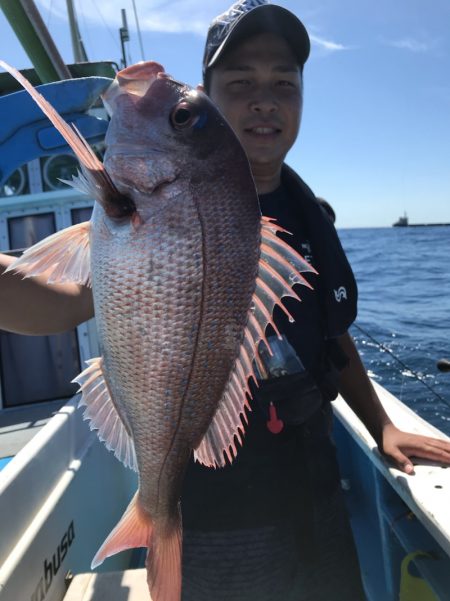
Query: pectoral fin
(65,256)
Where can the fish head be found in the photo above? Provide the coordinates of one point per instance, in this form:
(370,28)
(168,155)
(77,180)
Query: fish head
(163,135)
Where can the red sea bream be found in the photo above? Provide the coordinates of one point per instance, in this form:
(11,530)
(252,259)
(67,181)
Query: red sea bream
(185,274)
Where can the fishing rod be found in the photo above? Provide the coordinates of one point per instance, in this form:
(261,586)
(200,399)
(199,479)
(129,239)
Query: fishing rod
(442,364)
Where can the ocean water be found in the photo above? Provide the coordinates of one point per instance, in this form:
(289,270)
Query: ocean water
(403,323)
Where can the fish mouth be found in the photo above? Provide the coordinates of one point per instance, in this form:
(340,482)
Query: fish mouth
(135,81)
(139,78)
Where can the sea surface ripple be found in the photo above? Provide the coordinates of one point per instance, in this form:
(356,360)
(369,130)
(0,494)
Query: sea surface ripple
(403,323)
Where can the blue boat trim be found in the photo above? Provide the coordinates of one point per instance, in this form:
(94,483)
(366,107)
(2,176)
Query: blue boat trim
(4,461)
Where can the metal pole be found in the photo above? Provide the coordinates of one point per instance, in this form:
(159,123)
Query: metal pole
(124,36)
(35,38)
(79,52)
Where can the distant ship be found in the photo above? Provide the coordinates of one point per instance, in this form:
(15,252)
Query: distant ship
(404,222)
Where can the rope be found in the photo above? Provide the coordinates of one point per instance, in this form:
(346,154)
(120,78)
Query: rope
(138,30)
(418,377)
(113,36)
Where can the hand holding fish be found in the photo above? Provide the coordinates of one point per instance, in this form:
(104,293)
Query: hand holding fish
(54,309)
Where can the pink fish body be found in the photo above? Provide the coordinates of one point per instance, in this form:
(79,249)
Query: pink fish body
(185,274)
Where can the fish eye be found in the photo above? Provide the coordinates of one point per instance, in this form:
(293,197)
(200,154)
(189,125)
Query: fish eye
(184,115)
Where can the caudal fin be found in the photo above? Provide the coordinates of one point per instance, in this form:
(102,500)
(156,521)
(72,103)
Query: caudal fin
(164,564)
(136,529)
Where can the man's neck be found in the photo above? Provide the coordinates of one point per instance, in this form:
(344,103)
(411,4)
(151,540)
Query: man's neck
(267,177)
(266,181)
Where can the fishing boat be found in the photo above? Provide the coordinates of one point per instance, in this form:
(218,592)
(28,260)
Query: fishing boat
(402,221)
(51,521)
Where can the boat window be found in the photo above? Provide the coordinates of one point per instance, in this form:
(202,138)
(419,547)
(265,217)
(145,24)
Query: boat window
(26,231)
(36,368)
(16,184)
(80,215)
(57,168)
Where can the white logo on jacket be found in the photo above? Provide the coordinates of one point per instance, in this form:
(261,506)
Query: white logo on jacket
(340,293)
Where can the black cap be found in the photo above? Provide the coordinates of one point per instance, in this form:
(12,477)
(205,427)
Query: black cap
(250,17)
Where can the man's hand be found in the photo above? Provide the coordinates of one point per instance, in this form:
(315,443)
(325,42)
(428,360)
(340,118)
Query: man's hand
(31,306)
(401,446)
(397,445)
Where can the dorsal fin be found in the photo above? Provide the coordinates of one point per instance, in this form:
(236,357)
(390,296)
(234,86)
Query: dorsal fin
(98,183)
(280,268)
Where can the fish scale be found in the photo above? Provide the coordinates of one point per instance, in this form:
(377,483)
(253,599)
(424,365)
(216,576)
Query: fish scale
(175,311)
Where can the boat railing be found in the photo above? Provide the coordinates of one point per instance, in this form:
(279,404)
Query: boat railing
(397,519)
(27,133)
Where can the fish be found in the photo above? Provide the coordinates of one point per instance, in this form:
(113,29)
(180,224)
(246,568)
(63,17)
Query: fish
(185,275)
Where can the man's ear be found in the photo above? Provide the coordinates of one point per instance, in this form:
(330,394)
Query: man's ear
(200,87)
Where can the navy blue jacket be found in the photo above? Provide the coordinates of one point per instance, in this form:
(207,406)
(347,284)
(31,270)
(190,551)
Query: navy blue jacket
(336,283)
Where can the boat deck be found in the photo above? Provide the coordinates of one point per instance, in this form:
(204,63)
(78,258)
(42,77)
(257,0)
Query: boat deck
(18,426)
(129,585)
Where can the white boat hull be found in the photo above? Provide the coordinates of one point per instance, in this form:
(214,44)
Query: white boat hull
(401,522)
(56,508)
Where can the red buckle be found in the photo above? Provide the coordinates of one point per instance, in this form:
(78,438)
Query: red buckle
(274,424)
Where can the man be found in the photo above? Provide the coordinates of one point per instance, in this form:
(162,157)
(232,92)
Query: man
(253,72)
(272,525)
(327,208)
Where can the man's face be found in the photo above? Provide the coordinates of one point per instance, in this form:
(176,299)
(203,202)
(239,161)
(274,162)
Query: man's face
(258,88)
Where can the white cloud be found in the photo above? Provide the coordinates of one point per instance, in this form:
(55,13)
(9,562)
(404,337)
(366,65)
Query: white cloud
(410,44)
(327,44)
(166,16)
(170,16)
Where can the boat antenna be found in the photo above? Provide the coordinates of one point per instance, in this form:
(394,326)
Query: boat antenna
(79,52)
(138,30)
(124,36)
(384,348)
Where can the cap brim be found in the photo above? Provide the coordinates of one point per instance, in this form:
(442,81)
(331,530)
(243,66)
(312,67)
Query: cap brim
(267,18)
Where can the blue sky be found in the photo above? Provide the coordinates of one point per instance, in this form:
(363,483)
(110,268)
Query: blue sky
(375,135)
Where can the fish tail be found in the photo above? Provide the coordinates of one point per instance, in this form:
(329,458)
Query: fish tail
(133,530)
(164,563)
(136,529)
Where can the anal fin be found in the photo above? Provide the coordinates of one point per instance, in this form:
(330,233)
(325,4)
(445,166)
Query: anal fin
(102,414)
